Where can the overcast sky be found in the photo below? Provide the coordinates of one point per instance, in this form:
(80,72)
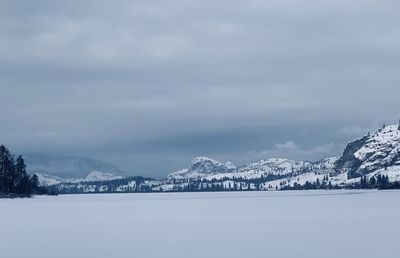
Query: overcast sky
(148,85)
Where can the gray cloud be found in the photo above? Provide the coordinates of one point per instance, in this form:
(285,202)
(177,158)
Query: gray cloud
(137,81)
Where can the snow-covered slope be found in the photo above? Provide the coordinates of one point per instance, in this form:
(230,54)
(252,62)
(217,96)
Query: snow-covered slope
(370,153)
(48,180)
(280,166)
(210,169)
(101,176)
(95,176)
(374,156)
(203,166)
(67,166)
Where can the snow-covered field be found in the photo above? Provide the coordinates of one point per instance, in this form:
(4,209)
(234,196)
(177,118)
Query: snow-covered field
(329,224)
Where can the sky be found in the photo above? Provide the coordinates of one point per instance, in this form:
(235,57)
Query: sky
(149,85)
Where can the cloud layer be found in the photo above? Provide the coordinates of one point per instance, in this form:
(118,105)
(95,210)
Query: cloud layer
(135,81)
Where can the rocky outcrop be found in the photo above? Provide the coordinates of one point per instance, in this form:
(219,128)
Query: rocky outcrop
(372,152)
(203,166)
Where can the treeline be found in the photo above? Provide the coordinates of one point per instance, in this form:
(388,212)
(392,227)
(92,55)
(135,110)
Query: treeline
(242,184)
(14,181)
(377,182)
(258,180)
(380,182)
(132,184)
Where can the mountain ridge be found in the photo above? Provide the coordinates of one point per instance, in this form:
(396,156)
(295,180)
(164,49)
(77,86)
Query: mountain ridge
(67,167)
(370,161)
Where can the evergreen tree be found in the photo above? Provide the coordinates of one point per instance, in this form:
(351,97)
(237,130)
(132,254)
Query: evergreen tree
(13,177)
(34,181)
(379,180)
(372,181)
(22,183)
(363,182)
(6,170)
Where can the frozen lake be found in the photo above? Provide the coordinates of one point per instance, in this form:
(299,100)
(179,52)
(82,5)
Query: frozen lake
(312,224)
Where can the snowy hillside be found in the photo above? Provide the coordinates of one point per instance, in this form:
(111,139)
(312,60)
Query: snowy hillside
(210,169)
(101,176)
(67,166)
(372,161)
(95,176)
(375,155)
(370,153)
(48,180)
(202,166)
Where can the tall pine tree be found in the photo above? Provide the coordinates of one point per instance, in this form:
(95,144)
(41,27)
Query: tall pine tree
(13,177)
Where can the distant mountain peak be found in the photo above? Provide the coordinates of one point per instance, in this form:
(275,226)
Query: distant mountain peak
(101,176)
(201,166)
(67,166)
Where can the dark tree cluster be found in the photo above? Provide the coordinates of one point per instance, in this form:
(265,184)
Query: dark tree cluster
(317,185)
(14,181)
(112,186)
(379,182)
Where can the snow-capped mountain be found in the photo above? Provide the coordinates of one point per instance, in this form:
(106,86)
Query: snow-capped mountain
(95,176)
(202,166)
(280,166)
(372,161)
(211,169)
(48,180)
(379,150)
(67,167)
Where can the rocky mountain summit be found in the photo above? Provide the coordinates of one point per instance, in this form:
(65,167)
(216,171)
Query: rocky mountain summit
(202,166)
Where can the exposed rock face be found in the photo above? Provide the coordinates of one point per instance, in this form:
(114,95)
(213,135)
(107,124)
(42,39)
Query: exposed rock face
(370,153)
(277,166)
(202,166)
(348,162)
(209,169)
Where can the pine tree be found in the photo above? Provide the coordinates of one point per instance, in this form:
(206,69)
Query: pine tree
(22,181)
(6,168)
(372,181)
(13,177)
(363,182)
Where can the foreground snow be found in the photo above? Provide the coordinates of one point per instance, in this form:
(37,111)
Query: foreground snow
(327,224)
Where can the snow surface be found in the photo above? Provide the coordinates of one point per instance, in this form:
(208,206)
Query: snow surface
(305,224)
